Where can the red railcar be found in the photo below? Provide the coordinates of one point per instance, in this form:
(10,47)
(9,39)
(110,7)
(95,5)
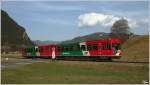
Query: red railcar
(107,48)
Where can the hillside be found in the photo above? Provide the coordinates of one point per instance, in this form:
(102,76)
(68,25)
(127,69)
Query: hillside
(13,36)
(136,49)
(97,36)
(39,42)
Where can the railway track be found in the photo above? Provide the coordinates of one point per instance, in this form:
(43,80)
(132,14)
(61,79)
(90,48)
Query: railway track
(14,62)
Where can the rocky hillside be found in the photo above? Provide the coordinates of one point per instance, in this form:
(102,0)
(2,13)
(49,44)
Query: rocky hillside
(136,49)
(13,36)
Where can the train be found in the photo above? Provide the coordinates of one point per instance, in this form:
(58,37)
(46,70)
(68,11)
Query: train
(95,49)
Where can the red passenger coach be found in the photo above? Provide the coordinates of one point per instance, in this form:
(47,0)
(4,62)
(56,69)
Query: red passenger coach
(48,50)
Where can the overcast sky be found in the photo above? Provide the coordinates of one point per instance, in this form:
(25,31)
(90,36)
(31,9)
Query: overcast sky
(50,20)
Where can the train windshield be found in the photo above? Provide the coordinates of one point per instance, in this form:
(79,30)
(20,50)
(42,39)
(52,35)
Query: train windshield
(116,46)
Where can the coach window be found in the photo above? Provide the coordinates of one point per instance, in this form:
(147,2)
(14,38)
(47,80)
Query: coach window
(63,48)
(109,48)
(106,46)
(33,50)
(66,49)
(71,48)
(41,49)
(89,47)
(78,48)
(95,47)
(75,48)
(28,50)
(103,47)
(58,48)
(50,49)
(83,47)
(36,49)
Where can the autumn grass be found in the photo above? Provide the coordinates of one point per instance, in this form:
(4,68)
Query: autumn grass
(75,72)
(136,49)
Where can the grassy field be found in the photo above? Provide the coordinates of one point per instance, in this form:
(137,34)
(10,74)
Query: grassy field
(76,72)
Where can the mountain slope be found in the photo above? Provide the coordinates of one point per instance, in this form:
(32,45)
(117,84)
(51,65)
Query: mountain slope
(39,42)
(97,36)
(13,36)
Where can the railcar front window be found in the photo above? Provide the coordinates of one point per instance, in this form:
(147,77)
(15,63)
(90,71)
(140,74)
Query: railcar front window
(83,47)
(116,46)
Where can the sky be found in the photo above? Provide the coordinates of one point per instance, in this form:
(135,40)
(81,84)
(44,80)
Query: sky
(64,20)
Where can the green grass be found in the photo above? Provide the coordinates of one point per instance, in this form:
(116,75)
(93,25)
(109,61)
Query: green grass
(75,72)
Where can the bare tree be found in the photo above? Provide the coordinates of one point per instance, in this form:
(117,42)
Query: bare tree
(120,30)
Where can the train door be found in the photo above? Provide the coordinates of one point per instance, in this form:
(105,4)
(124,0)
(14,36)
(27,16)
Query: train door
(116,49)
(84,50)
(37,51)
(93,49)
(53,53)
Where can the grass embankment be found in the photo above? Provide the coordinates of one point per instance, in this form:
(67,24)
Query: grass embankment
(16,55)
(136,49)
(76,72)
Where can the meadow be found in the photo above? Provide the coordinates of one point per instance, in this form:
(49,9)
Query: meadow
(76,72)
